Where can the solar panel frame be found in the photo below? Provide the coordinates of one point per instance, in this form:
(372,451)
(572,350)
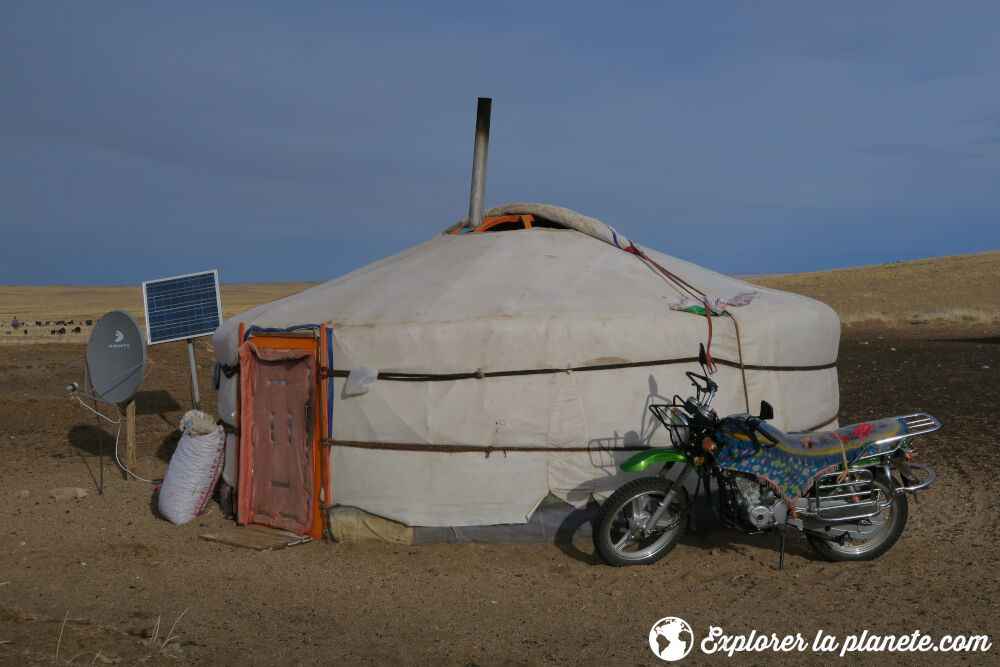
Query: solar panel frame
(182,307)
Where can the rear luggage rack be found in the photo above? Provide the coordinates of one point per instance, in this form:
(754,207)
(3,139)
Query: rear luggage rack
(916,424)
(852,499)
(920,423)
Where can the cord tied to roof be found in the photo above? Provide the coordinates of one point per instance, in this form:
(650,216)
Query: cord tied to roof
(713,306)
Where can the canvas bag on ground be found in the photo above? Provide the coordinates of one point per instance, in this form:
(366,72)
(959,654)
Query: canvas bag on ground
(194,469)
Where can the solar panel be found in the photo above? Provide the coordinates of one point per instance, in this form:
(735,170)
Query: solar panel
(182,306)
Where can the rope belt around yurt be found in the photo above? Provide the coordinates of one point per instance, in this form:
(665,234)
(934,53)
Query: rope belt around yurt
(486,450)
(480,374)
(466,449)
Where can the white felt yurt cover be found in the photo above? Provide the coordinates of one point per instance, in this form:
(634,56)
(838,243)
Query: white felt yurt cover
(541,350)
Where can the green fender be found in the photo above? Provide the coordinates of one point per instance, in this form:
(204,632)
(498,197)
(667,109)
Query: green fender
(645,458)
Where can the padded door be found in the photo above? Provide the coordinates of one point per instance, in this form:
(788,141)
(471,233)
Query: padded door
(277,471)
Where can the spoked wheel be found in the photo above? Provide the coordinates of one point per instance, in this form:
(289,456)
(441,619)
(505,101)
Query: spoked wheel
(622,535)
(883,531)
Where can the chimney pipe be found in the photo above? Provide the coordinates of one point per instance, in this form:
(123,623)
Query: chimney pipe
(482,144)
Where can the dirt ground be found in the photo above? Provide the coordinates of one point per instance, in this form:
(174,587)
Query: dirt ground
(102,578)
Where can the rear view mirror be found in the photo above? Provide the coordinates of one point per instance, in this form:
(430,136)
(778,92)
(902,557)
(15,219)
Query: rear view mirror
(766,411)
(702,357)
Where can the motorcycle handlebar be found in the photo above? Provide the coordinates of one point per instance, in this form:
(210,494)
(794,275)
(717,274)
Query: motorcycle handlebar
(754,428)
(707,386)
(751,427)
(694,377)
(767,436)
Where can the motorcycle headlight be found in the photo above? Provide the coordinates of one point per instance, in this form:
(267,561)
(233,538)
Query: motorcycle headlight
(679,433)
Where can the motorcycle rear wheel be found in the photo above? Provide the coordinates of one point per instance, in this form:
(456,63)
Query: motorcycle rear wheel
(620,535)
(893,520)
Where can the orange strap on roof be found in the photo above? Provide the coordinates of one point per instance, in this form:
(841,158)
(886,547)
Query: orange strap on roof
(490,223)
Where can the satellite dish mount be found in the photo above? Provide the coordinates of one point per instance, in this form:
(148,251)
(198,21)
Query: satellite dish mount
(114,368)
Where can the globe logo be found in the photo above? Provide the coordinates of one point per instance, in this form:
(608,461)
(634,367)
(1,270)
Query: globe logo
(671,638)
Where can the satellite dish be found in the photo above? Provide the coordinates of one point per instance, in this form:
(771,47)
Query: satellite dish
(116,357)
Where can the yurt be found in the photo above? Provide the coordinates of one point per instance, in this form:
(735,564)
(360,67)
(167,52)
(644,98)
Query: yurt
(462,381)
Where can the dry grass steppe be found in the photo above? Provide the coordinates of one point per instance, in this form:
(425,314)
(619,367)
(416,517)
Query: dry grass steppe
(958,288)
(66,303)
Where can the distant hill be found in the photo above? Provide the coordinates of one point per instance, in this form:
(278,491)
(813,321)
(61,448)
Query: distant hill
(68,302)
(955,288)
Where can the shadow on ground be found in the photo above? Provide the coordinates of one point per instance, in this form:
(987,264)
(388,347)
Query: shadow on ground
(167,446)
(92,440)
(992,340)
(156,402)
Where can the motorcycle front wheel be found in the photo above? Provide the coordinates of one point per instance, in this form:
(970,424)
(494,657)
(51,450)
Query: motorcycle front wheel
(891,523)
(621,535)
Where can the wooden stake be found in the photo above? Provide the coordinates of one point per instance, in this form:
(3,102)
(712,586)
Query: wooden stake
(130,437)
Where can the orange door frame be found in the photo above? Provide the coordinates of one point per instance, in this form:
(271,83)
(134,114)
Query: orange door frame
(319,457)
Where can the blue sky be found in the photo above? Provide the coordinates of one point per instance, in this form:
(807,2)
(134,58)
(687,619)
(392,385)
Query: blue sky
(302,140)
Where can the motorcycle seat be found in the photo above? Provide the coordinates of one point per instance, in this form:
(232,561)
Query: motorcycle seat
(797,458)
(861,439)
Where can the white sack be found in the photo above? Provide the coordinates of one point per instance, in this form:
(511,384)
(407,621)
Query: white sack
(191,476)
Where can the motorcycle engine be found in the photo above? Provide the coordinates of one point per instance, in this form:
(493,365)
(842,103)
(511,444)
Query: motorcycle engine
(757,503)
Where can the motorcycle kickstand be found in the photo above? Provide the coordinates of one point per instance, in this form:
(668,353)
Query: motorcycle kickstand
(783,531)
(692,520)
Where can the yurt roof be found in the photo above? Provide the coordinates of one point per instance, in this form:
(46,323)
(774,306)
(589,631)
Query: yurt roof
(579,271)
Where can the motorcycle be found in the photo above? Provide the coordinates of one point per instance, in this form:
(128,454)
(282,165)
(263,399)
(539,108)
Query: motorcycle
(844,489)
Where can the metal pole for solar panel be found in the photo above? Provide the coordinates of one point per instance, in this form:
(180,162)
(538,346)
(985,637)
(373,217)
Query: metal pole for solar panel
(194,374)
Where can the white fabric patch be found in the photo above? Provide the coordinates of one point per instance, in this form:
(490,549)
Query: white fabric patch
(360,380)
